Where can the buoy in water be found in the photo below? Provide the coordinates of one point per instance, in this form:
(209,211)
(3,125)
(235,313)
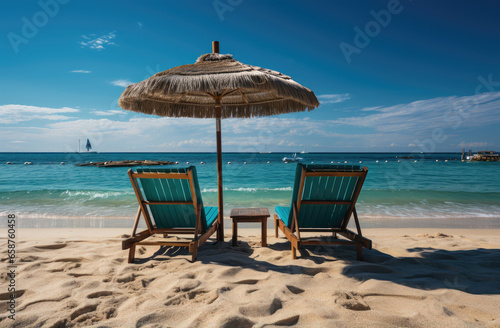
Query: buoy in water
(187,162)
(386,161)
(28,163)
(345,162)
(62,163)
(267,162)
(331,162)
(176,162)
(8,163)
(376,161)
(360,162)
(244,162)
(202,162)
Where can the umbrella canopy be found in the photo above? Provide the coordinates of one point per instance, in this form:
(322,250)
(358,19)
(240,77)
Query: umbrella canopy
(218,86)
(245,91)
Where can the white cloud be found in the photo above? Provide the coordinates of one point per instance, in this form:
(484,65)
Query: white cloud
(109,112)
(333,98)
(98,43)
(394,128)
(10,114)
(474,144)
(18,141)
(81,71)
(424,115)
(121,83)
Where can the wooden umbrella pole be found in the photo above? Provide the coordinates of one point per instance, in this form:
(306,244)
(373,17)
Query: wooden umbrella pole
(220,233)
(220,189)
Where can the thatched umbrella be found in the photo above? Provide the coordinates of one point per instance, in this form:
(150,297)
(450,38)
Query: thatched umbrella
(218,86)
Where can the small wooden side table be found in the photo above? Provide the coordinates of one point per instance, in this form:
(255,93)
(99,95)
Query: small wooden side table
(250,215)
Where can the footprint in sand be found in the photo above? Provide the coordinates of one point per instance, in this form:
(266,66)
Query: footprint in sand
(262,308)
(247,282)
(6,296)
(70,259)
(103,293)
(230,272)
(126,278)
(29,258)
(77,275)
(235,321)
(290,321)
(351,301)
(187,284)
(53,246)
(82,310)
(145,282)
(295,290)
(67,267)
(196,296)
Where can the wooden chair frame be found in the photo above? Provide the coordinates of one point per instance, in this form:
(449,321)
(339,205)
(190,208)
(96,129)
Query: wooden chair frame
(137,238)
(293,233)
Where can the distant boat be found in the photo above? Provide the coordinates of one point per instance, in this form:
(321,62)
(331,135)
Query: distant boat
(294,158)
(88,146)
(304,151)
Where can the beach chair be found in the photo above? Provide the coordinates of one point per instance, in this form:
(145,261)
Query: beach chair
(170,202)
(323,200)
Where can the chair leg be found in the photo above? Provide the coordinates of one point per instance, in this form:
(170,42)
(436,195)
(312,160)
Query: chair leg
(195,253)
(131,254)
(359,252)
(294,252)
(275,227)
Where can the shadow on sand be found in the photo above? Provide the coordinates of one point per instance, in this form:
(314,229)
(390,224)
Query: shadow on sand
(471,271)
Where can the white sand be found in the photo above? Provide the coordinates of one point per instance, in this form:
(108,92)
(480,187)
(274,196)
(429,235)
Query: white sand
(412,278)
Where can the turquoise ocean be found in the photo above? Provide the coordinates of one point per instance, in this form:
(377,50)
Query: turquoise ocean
(437,185)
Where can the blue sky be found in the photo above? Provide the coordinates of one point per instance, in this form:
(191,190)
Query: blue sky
(420,76)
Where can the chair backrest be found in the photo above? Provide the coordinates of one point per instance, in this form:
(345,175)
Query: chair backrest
(325,195)
(175,188)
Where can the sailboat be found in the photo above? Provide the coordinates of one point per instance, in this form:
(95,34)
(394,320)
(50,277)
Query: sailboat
(294,158)
(88,146)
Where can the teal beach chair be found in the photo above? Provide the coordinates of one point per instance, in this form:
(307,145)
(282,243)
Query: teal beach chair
(323,200)
(170,202)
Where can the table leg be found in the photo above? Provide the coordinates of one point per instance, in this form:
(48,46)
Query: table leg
(264,232)
(235,232)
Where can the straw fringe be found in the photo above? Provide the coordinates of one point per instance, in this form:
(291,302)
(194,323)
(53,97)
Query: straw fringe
(186,91)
